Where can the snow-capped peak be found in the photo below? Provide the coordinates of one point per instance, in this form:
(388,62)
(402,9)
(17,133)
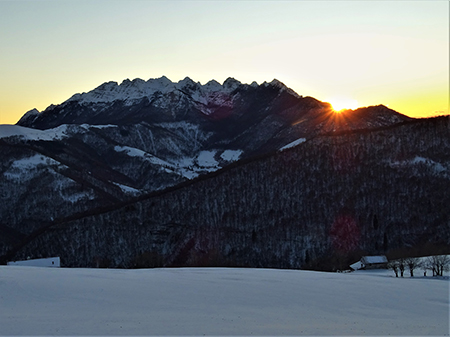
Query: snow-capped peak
(187,85)
(186,82)
(230,84)
(132,90)
(128,90)
(32,112)
(29,116)
(213,85)
(278,84)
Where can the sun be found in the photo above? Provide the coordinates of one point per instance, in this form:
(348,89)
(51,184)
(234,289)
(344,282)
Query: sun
(340,103)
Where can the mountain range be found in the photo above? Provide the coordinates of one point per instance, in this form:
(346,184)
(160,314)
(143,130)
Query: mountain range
(161,173)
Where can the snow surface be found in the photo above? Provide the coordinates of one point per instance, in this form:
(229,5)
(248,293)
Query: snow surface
(130,91)
(231,155)
(52,262)
(106,126)
(22,168)
(189,168)
(437,167)
(133,152)
(294,143)
(219,301)
(375,259)
(68,191)
(7,130)
(206,159)
(128,189)
(177,168)
(33,161)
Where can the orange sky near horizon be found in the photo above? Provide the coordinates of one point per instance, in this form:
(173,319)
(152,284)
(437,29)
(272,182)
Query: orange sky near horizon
(394,53)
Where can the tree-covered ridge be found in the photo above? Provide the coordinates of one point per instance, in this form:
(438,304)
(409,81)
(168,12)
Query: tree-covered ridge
(317,205)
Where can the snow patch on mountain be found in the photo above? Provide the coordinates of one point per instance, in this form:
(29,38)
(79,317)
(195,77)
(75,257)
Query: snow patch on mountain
(294,143)
(231,155)
(128,189)
(183,166)
(73,198)
(182,161)
(206,159)
(59,132)
(187,167)
(99,126)
(22,169)
(436,167)
(34,161)
(133,152)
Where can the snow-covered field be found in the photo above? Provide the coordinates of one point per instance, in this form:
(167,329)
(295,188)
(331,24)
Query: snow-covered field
(219,301)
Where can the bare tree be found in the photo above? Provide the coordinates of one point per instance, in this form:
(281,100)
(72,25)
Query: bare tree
(394,266)
(442,264)
(430,264)
(425,266)
(438,264)
(412,263)
(401,266)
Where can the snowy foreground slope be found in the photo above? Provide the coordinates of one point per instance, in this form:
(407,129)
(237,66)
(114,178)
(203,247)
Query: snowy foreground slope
(52,301)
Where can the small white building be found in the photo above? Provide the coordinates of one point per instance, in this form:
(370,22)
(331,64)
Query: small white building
(371,262)
(47,262)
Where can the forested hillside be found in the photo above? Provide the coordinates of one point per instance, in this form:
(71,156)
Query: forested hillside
(317,205)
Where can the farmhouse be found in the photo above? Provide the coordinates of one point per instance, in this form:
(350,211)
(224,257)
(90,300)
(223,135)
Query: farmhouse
(47,262)
(371,262)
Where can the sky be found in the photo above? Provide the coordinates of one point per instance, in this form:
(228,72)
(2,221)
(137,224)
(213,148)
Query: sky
(352,53)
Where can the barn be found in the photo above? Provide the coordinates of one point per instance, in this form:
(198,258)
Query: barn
(371,262)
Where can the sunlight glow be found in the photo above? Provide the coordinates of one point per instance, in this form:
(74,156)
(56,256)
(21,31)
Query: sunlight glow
(340,104)
(387,52)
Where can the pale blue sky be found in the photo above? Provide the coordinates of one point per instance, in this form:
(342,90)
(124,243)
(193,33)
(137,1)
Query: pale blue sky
(390,52)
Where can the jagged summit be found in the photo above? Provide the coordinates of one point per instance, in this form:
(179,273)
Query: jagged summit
(231,83)
(213,85)
(230,107)
(160,99)
(29,117)
(131,90)
(282,86)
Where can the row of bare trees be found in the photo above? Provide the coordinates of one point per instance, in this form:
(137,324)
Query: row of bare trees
(437,264)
